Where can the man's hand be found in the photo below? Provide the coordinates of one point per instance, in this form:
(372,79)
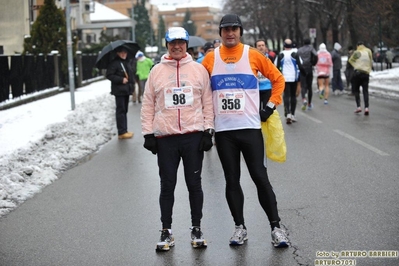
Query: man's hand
(206,142)
(150,143)
(265,113)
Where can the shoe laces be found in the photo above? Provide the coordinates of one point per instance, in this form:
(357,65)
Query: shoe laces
(165,235)
(238,232)
(196,232)
(279,234)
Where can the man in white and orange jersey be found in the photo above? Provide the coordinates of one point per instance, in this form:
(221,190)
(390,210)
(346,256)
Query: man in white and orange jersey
(233,69)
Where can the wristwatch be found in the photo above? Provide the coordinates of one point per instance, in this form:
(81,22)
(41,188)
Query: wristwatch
(210,131)
(271,105)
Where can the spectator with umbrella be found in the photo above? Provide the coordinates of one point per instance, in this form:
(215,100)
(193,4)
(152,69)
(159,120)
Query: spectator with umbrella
(121,75)
(115,58)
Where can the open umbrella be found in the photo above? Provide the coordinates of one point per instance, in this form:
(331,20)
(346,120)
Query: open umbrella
(108,52)
(195,41)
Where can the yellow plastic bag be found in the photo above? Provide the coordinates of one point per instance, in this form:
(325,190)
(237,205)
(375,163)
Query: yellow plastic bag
(273,137)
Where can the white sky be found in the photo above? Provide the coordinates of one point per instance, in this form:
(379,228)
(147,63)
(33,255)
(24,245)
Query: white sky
(40,139)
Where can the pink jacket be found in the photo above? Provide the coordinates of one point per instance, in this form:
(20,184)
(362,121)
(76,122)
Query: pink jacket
(324,63)
(177,98)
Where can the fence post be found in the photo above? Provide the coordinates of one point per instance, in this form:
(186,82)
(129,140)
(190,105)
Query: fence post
(80,68)
(56,68)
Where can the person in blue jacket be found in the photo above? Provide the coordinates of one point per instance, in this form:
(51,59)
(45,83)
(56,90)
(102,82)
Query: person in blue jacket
(265,85)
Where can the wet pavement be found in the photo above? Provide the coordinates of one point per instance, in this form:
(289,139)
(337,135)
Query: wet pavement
(336,192)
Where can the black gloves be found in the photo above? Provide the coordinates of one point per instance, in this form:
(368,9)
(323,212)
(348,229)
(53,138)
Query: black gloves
(206,142)
(150,143)
(265,113)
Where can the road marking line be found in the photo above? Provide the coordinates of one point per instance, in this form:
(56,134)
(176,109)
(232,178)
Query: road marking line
(311,118)
(361,143)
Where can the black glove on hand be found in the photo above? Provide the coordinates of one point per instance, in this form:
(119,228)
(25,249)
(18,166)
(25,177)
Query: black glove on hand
(150,143)
(265,113)
(206,142)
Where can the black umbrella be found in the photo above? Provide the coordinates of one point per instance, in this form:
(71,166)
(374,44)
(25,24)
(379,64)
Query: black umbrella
(195,41)
(108,52)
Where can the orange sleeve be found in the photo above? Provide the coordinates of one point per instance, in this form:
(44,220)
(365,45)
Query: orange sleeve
(208,62)
(261,63)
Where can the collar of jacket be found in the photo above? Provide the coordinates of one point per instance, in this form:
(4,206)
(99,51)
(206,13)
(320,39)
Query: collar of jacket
(169,60)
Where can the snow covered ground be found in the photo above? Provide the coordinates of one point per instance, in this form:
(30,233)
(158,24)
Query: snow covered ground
(42,139)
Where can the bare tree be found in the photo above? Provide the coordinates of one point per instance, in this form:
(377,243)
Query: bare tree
(343,21)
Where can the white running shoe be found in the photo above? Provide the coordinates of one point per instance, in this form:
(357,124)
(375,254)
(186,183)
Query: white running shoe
(239,235)
(293,118)
(288,121)
(279,238)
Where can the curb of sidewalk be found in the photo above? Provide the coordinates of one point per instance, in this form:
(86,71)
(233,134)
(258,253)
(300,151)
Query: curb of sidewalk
(383,92)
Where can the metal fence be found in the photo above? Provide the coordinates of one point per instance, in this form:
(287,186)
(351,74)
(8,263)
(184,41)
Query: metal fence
(26,74)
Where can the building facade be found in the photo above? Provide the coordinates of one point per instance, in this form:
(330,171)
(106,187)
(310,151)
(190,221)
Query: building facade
(17,16)
(14,25)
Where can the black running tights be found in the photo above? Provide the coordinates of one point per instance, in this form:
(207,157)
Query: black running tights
(249,142)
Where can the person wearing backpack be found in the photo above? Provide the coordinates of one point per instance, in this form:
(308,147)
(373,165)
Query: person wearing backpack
(309,60)
(288,62)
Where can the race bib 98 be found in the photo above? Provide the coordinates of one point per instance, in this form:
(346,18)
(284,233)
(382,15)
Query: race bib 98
(179,97)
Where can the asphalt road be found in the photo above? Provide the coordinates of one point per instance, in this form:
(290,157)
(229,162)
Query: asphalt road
(337,191)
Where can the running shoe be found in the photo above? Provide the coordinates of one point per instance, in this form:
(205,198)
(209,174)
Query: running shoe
(279,238)
(293,118)
(166,241)
(197,241)
(310,106)
(321,95)
(304,104)
(288,121)
(325,102)
(366,111)
(239,236)
(358,110)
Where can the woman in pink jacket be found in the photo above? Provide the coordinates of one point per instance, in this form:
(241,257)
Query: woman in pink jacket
(323,70)
(177,124)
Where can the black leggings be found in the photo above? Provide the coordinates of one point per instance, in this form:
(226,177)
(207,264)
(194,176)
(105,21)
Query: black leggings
(170,150)
(249,142)
(306,86)
(289,97)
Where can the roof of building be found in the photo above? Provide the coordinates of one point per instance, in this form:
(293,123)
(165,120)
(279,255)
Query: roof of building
(104,13)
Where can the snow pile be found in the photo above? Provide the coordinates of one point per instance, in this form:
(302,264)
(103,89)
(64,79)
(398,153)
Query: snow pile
(26,171)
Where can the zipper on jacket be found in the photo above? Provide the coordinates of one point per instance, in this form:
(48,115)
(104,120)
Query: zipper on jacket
(178,85)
